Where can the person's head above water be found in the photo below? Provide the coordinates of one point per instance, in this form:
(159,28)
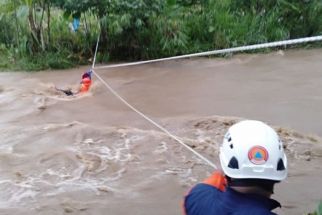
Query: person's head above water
(87,74)
(86,81)
(252,154)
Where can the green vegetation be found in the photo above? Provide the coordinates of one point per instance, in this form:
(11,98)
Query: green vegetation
(318,210)
(38,34)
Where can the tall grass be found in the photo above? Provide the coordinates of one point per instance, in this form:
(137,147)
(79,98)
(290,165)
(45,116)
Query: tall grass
(179,27)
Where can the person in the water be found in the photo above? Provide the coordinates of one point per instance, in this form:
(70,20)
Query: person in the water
(84,87)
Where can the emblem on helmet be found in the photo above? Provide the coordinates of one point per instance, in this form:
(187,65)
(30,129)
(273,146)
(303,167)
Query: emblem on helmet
(258,155)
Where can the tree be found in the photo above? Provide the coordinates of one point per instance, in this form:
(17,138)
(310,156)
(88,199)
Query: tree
(118,18)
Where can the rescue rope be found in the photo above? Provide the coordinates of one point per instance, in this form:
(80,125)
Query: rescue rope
(153,122)
(222,51)
(95,54)
(146,117)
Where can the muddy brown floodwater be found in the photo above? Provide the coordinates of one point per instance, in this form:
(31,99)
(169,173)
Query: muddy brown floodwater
(90,154)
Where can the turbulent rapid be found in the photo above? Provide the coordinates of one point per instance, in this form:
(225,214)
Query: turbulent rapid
(90,154)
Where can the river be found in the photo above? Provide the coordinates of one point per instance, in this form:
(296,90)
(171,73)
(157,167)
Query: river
(91,154)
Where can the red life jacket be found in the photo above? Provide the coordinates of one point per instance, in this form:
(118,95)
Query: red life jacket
(86,84)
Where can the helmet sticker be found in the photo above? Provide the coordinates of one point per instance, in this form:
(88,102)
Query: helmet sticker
(258,155)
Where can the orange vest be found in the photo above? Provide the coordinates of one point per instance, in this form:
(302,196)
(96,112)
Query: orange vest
(86,84)
(217,180)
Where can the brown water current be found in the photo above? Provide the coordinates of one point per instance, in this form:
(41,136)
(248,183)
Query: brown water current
(90,154)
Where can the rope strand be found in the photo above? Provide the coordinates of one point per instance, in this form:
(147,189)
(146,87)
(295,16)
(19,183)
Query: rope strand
(146,117)
(229,50)
(222,51)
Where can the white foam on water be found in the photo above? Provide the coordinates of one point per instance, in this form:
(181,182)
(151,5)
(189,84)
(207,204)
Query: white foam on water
(6,149)
(13,194)
(110,154)
(22,195)
(49,91)
(70,98)
(89,141)
(201,136)
(52,127)
(162,148)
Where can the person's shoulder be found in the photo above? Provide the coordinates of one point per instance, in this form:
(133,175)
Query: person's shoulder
(202,199)
(204,188)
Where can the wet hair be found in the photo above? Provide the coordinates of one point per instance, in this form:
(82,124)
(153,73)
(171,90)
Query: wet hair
(267,185)
(85,75)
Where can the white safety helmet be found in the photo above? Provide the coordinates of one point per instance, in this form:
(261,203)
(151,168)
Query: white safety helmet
(252,150)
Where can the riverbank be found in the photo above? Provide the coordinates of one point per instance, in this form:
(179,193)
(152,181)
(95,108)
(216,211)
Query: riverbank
(55,34)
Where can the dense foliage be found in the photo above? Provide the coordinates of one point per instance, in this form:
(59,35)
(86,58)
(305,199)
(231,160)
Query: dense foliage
(39,34)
